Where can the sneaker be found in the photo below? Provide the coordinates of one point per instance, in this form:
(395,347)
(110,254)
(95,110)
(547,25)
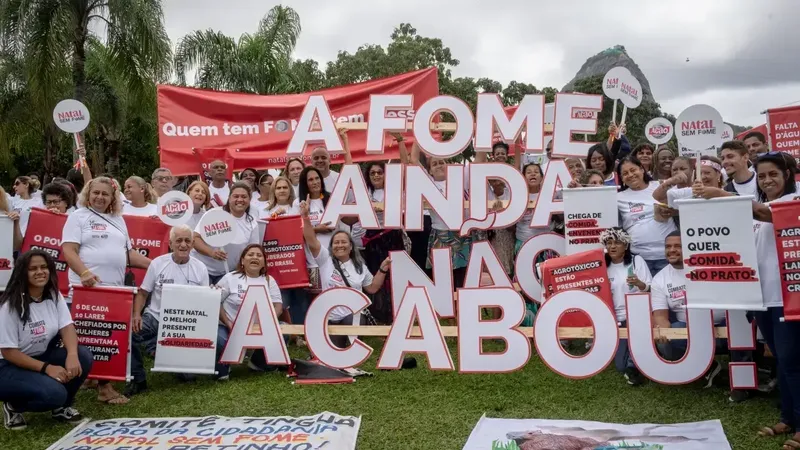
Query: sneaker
(134,388)
(633,377)
(224,378)
(768,387)
(68,414)
(738,396)
(712,373)
(12,419)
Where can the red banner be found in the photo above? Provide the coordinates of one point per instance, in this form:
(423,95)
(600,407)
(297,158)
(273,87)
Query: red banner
(784,130)
(44,233)
(786,219)
(586,271)
(149,236)
(286,256)
(102,319)
(205,156)
(258,128)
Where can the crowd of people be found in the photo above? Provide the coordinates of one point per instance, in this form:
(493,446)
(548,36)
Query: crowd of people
(642,255)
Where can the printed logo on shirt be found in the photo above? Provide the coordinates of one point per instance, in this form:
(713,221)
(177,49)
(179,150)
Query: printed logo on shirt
(241,289)
(97,226)
(37,328)
(164,280)
(337,278)
(677,293)
(636,207)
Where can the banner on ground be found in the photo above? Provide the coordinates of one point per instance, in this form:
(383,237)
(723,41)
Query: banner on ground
(44,233)
(784,130)
(6,250)
(326,431)
(719,253)
(102,317)
(149,236)
(587,212)
(286,256)
(585,271)
(187,331)
(786,220)
(258,128)
(533,434)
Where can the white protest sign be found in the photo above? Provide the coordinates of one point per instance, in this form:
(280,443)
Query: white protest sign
(187,331)
(71,116)
(587,212)
(630,91)
(175,208)
(217,228)
(699,131)
(727,133)
(719,253)
(612,86)
(6,250)
(658,131)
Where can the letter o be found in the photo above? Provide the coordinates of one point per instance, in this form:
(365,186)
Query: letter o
(465,123)
(37,238)
(690,231)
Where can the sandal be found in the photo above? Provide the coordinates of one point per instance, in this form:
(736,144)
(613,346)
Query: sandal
(119,399)
(776,430)
(791,444)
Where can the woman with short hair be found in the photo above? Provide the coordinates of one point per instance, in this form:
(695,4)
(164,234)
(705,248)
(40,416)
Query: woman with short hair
(141,198)
(25,200)
(662,161)
(35,374)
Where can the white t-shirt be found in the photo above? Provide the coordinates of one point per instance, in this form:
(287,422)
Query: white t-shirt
(618,278)
(637,209)
(749,187)
(330,180)
(23,207)
(103,247)
(315,210)
(506,195)
(331,278)
(524,230)
(378,196)
(436,221)
(234,286)
(149,210)
(32,338)
(288,210)
(677,193)
(668,291)
(296,189)
(766,249)
(259,208)
(195,219)
(219,196)
(164,270)
(248,234)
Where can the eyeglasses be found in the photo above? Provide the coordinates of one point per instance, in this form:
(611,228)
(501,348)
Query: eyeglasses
(375,173)
(163,179)
(55,202)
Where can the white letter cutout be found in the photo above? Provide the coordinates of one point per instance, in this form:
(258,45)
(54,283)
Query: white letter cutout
(465,122)
(351,177)
(316,328)
(566,123)
(490,112)
(379,124)
(405,273)
(255,327)
(316,110)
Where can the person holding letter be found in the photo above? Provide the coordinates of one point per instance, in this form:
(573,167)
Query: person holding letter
(97,249)
(215,259)
(341,265)
(173,268)
(646,222)
(251,270)
(36,375)
(627,274)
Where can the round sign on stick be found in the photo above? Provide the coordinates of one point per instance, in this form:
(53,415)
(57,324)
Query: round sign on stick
(727,133)
(175,208)
(71,116)
(218,228)
(630,91)
(699,130)
(658,131)
(612,82)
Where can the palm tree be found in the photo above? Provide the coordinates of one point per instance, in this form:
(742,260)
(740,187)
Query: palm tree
(55,36)
(256,63)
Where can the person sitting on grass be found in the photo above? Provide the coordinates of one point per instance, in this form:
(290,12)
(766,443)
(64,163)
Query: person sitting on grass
(35,374)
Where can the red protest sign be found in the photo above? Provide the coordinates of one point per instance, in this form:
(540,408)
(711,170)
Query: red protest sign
(149,236)
(205,156)
(786,220)
(586,271)
(102,319)
(258,128)
(286,256)
(44,233)
(784,130)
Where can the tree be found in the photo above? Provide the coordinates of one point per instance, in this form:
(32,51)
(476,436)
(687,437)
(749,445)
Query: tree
(258,63)
(54,37)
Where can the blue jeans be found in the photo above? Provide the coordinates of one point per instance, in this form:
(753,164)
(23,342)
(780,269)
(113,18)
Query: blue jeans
(145,337)
(297,301)
(676,348)
(783,339)
(655,265)
(622,359)
(29,391)
(214,279)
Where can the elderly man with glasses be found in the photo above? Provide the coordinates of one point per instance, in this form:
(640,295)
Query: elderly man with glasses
(162,181)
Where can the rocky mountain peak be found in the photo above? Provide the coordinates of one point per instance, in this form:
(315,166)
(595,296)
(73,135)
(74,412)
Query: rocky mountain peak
(602,62)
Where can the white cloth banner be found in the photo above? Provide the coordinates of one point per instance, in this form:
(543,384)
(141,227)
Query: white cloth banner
(187,331)
(532,434)
(587,212)
(719,252)
(6,250)
(326,431)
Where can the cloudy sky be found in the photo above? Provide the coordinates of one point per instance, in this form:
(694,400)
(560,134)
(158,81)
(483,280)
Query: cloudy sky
(744,56)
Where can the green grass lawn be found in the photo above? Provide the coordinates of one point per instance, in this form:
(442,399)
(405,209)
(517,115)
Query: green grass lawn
(420,409)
